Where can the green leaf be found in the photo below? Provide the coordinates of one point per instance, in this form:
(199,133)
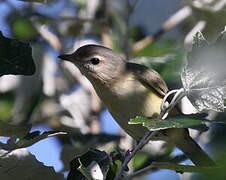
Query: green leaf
(114,166)
(21,164)
(85,162)
(154,51)
(85,172)
(6,107)
(23,29)
(15,57)
(140,159)
(172,122)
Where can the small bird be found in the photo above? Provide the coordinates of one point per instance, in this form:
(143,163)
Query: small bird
(129,90)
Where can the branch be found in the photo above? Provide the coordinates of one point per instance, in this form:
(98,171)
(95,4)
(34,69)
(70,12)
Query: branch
(185,168)
(179,94)
(170,23)
(178,168)
(134,5)
(147,169)
(49,36)
(145,139)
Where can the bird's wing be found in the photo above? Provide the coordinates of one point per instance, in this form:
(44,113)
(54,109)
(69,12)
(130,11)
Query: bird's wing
(149,78)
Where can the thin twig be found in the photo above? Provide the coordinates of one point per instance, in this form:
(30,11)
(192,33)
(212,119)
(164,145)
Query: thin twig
(143,171)
(176,167)
(177,97)
(49,36)
(163,105)
(170,23)
(134,5)
(83,20)
(146,138)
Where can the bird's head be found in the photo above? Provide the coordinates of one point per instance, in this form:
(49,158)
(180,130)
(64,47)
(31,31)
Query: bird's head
(96,62)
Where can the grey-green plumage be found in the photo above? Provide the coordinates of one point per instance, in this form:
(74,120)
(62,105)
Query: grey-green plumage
(129,90)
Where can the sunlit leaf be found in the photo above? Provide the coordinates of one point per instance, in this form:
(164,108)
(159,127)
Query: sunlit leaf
(15,57)
(172,122)
(204,77)
(140,159)
(202,92)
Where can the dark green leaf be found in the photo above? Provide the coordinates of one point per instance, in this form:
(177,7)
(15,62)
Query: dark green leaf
(26,141)
(21,164)
(172,122)
(93,155)
(15,57)
(113,170)
(11,130)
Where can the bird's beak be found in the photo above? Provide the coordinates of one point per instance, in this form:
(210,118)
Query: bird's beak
(66,57)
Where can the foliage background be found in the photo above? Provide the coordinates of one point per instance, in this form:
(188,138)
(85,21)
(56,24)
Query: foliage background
(58,97)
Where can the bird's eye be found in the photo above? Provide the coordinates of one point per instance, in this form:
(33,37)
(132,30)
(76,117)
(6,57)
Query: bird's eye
(95,61)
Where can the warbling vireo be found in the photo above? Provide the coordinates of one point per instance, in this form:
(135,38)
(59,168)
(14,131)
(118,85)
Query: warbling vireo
(129,90)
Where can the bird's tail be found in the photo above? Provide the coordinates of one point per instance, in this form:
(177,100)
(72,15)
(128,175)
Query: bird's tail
(194,152)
